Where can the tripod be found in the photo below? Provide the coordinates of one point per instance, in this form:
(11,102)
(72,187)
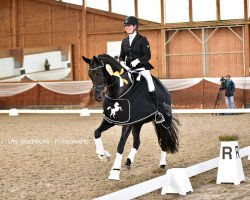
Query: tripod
(218,99)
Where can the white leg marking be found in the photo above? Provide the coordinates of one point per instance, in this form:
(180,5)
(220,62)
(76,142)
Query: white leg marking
(132,154)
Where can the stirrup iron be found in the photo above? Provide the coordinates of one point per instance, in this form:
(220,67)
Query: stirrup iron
(159,118)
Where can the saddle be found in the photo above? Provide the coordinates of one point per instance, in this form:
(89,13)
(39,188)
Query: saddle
(132,107)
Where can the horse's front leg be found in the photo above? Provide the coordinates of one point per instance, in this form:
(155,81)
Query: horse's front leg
(98,141)
(136,129)
(115,171)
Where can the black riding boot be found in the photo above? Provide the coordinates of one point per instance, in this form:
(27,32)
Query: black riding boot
(159,118)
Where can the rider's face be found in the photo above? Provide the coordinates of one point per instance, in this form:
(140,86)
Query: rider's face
(130,28)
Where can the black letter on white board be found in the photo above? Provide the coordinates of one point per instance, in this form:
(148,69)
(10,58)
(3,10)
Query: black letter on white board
(237,152)
(226,150)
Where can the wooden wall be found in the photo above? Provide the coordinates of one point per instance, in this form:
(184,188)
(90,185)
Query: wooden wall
(34,23)
(218,53)
(43,23)
(48,23)
(41,97)
(183,51)
(203,95)
(101,28)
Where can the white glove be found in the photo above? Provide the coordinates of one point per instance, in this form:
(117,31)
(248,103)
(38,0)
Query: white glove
(135,62)
(123,64)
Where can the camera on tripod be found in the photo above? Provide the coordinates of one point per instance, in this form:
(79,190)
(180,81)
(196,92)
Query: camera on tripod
(222,83)
(219,94)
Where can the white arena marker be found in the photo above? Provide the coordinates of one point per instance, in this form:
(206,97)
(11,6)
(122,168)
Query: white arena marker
(161,181)
(230,168)
(137,190)
(179,182)
(13,112)
(84,112)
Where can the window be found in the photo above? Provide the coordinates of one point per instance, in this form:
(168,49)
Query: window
(204,10)
(97,4)
(77,2)
(177,11)
(231,9)
(149,10)
(124,7)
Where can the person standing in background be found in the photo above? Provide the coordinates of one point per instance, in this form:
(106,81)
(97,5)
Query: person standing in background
(229,88)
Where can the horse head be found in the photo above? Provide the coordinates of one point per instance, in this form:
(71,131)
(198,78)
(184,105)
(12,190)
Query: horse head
(96,75)
(106,71)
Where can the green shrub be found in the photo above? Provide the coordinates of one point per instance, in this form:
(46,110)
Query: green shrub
(226,138)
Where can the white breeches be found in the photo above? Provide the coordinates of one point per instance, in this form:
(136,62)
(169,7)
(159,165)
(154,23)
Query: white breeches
(146,74)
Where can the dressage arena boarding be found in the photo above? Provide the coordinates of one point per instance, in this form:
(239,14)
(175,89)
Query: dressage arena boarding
(50,154)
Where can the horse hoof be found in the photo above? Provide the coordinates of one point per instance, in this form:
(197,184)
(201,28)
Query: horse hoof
(128,163)
(128,167)
(161,169)
(103,158)
(114,174)
(106,156)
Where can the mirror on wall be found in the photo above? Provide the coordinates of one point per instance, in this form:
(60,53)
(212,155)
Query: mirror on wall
(36,64)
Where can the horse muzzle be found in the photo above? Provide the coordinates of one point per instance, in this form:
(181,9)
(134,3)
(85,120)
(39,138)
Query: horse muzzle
(98,92)
(98,96)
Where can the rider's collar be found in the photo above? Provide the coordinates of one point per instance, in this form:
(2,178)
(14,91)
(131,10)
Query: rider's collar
(132,35)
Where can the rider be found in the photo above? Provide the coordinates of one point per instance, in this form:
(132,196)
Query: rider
(135,53)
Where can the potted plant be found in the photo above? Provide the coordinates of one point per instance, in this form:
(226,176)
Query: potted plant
(230,168)
(46,65)
(228,138)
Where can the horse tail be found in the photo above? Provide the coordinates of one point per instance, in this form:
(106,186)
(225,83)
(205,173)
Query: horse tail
(168,137)
(108,108)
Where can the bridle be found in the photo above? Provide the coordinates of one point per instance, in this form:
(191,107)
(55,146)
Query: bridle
(99,88)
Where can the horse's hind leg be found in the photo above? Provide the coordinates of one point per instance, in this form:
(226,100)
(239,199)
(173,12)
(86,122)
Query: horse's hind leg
(115,171)
(163,159)
(168,140)
(160,133)
(136,143)
(98,141)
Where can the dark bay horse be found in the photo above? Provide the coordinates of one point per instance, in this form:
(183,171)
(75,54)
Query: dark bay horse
(127,103)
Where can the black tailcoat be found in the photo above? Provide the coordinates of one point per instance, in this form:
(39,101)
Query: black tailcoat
(139,49)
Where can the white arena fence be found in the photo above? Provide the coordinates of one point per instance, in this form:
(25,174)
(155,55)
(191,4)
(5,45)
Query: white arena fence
(87,112)
(164,180)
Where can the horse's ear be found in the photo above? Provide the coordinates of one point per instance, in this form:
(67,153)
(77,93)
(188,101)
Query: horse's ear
(96,60)
(87,60)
